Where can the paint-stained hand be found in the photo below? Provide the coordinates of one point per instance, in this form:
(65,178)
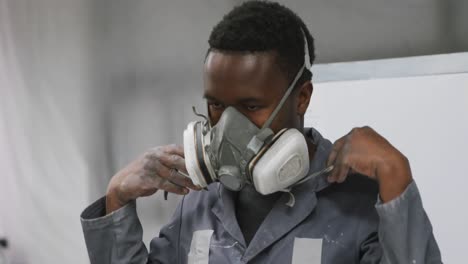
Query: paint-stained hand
(366,152)
(157,169)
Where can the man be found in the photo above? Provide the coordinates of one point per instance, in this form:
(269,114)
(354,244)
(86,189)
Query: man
(366,210)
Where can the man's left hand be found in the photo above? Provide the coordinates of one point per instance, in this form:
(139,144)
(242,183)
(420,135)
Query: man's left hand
(366,152)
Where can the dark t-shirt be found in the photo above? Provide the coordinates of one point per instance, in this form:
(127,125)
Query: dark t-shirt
(251,209)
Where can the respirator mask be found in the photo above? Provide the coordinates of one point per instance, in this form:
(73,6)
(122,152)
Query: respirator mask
(236,152)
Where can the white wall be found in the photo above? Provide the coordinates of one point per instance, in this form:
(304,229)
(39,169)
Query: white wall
(48,128)
(425,117)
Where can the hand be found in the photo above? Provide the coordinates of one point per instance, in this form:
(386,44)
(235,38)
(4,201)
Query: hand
(156,169)
(366,152)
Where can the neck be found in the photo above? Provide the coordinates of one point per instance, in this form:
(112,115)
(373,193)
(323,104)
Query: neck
(311,147)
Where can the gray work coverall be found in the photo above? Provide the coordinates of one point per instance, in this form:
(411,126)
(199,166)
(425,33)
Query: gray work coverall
(329,223)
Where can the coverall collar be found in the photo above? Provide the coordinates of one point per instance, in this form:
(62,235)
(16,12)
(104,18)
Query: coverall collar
(281,218)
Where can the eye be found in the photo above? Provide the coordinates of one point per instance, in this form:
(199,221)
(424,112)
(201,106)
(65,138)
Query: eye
(252,107)
(216,105)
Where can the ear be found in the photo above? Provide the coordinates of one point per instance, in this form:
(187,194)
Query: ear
(303,97)
(208,113)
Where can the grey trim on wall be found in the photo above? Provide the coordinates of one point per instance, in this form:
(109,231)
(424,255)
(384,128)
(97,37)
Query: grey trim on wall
(391,68)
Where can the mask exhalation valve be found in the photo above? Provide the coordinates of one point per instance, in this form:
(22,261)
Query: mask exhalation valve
(231,177)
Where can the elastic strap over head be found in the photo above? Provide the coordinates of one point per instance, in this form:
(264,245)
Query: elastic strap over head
(306,65)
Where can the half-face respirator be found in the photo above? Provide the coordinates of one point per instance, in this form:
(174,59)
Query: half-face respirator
(236,152)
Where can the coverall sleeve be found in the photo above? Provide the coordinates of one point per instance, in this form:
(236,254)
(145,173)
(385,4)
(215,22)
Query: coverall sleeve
(404,233)
(117,237)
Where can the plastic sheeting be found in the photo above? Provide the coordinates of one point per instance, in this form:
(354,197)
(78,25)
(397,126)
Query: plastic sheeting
(44,79)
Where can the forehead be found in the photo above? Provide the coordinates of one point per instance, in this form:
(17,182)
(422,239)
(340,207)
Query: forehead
(229,76)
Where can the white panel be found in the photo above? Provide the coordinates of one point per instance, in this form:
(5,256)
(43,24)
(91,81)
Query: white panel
(426,118)
(200,247)
(307,251)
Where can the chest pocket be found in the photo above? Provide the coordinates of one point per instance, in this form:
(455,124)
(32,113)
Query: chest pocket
(307,250)
(200,247)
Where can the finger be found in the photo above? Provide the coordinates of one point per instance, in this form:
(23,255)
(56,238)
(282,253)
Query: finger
(342,173)
(180,179)
(169,156)
(151,159)
(172,175)
(175,149)
(159,163)
(332,159)
(333,176)
(190,183)
(335,151)
(174,161)
(173,188)
(177,164)
(345,160)
(341,164)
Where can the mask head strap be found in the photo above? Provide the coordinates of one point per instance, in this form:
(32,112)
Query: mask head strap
(306,65)
(258,140)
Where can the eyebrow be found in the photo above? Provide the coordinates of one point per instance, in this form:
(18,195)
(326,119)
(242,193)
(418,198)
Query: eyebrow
(239,101)
(209,97)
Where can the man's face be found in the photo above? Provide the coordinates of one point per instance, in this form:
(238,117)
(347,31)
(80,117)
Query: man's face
(252,83)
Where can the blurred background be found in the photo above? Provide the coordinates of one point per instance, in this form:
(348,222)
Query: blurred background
(88,85)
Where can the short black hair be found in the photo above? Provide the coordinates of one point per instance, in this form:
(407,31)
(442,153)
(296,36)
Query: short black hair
(261,26)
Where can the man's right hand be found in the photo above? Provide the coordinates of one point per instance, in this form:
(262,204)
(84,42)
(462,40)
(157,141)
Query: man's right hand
(156,169)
